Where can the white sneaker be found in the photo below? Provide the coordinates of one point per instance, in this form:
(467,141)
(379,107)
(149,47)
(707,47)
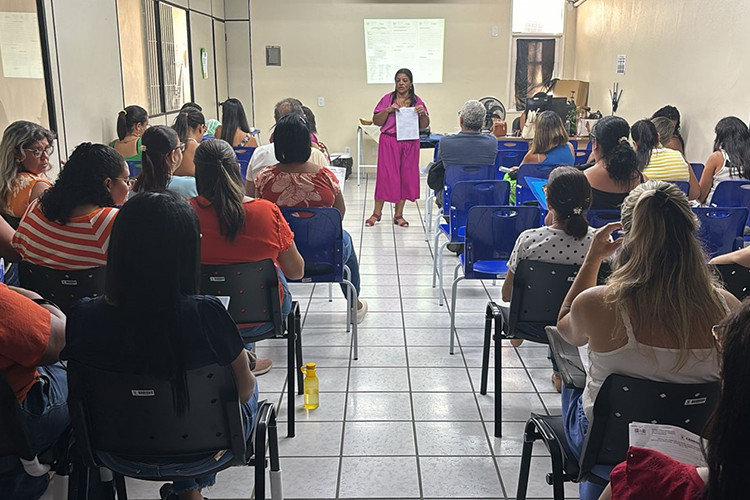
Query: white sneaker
(361,311)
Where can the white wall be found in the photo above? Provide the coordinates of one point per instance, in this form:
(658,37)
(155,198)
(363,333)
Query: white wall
(691,54)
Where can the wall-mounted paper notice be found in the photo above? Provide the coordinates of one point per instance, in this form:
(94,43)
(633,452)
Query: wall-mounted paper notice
(20,48)
(416,44)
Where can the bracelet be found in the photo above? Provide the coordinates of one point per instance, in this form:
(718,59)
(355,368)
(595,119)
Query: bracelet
(43,302)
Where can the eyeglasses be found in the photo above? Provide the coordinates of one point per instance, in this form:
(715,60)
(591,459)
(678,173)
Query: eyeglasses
(38,152)
(181,146)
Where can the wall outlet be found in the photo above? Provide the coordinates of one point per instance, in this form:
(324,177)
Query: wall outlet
(348,150)
(321,102)
(495,31)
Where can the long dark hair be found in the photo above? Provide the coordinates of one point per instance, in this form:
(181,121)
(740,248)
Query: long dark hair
(412,95)
(733,137)
(569,195)
(152,266)
(611,133)
(218,179)
(188,118)
(233,117)
(158,141)
(673,114)
(647,138)
(726,450)
(81,181)
(128,118)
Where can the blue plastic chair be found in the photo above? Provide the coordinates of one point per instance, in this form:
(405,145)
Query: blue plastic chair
(589,145)
(574,142)
(683,185)
(513,145)
(491,234)
(697,169)
(458,173)
(510,152)
(464,195)
(732,193)
(600,218)
(721,229)
(134,167)
(535,170)
(243,158)
(319,239)
(581,156)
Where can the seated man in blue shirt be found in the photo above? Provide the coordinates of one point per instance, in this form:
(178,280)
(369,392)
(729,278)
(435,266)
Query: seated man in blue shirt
(469,146)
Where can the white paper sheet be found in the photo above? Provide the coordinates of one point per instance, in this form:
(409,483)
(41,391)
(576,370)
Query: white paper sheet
(20,48)
(673,441)
(340,173)
(407,124)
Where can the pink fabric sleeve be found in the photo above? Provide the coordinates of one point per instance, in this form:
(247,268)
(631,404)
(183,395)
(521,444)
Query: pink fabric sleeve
(384,102)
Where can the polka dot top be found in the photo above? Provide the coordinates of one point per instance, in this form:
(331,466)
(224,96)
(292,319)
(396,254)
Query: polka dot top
(551,245)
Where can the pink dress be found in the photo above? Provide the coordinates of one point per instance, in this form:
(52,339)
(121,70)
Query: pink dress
(398,161)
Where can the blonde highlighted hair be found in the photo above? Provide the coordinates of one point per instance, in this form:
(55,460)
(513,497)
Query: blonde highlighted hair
(549,133)
(19,135)
(661,275)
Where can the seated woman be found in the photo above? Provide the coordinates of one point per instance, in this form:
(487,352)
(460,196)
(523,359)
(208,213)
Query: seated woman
(297,182)
(70,225)
(650,475)
(730,159)
(654,316)
(25,150)
(674,140)
(236,228)
(132,122)
(234,127)
(564,239)
(155,321)
(190,126)
(550,145)
(660,163)
(162,155)
(615,172)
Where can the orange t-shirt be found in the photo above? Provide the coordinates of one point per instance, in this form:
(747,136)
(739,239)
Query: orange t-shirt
(20,193)
(24,334)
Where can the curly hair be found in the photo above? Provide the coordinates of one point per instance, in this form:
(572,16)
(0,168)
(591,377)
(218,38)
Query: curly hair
(81,181)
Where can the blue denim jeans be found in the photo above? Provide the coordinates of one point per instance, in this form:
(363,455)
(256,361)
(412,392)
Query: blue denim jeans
(350,260)
(45,413)
(197,469)
(286,307)
(576,425)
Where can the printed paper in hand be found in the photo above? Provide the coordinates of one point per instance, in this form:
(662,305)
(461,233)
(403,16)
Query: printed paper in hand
(407,124)
(673,441)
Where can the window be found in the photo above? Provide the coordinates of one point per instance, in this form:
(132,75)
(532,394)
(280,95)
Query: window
(155,53)
(537,40)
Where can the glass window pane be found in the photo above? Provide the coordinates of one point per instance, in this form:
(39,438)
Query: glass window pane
(175,56)
(538,16)
(136,34)
(23,95)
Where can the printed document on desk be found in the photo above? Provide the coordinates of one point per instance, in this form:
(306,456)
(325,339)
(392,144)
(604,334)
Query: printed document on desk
(674,442)
(407,124)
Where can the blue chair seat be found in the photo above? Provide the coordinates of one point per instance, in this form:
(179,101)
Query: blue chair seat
(459,234)
(492,268)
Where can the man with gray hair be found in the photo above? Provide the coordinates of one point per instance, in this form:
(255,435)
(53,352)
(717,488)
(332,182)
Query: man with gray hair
(265,155)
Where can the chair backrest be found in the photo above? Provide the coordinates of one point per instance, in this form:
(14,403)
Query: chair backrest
(510,152)
(720,229)
(623,399)
(600,218)
(491,232)
(458,173)
(574,143)
(589,144)
(535,170)
(467,194)
(319,239)
(244,154)
(697,169)
(581,156)
(64,288)
(519,145)
(732,193)
(253,288)
(14,437)
(683,185)
(134,166)
(133,415)
(736,279)
(539,289)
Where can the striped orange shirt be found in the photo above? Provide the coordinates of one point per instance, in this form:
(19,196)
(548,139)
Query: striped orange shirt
(80,244)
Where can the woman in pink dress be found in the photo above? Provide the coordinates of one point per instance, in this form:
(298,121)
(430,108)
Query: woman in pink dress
(398,161)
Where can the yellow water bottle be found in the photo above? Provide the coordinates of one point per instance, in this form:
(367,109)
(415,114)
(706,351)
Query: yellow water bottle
(311,386)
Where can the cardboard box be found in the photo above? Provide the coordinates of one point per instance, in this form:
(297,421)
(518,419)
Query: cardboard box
(563,88)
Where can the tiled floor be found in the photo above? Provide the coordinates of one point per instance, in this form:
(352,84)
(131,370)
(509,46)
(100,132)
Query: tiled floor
(406,419)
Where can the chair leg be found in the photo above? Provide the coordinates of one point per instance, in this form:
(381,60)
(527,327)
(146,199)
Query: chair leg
(453,313)
(260,457)
(355,341)
(486,349)
(330,292)
(558,474)
(122,493)
(435,258)
(297,325)
(529,436)
(347,276)
(440,271)
(498,377)
(291,377)
(277,492)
